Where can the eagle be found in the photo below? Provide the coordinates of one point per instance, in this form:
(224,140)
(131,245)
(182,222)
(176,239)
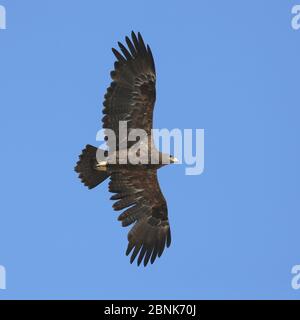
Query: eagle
(131,98)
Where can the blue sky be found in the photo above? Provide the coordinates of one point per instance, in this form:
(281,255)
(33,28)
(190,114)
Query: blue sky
(230,67)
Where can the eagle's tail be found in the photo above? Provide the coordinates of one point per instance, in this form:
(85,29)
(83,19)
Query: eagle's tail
(86,168)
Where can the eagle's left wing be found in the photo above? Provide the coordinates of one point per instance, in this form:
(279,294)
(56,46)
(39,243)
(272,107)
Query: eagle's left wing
(131,95)
(139,190)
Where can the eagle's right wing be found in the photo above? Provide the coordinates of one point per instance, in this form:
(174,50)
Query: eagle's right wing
(139,190)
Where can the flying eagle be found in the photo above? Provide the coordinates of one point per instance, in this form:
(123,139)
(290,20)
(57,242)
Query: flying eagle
(131,98)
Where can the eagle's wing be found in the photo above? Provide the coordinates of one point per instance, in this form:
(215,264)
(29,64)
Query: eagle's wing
(131,95)
(139,190)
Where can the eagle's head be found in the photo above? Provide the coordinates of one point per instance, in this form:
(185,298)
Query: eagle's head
(165,158)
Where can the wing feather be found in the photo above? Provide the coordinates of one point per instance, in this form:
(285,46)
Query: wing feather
(131,95)
(138,190)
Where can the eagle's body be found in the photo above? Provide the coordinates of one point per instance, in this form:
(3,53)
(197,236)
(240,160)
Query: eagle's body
(131,98)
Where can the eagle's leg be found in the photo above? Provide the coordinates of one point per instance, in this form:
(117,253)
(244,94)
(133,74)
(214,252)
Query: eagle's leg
(88,174)
(101,166)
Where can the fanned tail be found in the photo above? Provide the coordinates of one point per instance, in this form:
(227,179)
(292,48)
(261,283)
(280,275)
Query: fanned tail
(86,168)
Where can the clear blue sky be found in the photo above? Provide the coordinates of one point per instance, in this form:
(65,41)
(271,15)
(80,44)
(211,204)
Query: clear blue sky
(230,67)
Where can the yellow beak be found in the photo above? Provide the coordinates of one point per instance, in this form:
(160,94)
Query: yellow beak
(174,160)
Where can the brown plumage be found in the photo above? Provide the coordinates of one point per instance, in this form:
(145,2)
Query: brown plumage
(131,97)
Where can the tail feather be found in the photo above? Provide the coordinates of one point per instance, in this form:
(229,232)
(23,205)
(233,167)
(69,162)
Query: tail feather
(85,167)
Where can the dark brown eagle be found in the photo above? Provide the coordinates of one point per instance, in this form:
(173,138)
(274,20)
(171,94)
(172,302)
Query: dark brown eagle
(131,98)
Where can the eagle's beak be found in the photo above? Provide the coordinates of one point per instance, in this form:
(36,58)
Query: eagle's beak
(174,160)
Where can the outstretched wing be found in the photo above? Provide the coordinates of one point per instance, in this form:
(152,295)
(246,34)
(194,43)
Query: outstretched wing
(131,95)
(139,190)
